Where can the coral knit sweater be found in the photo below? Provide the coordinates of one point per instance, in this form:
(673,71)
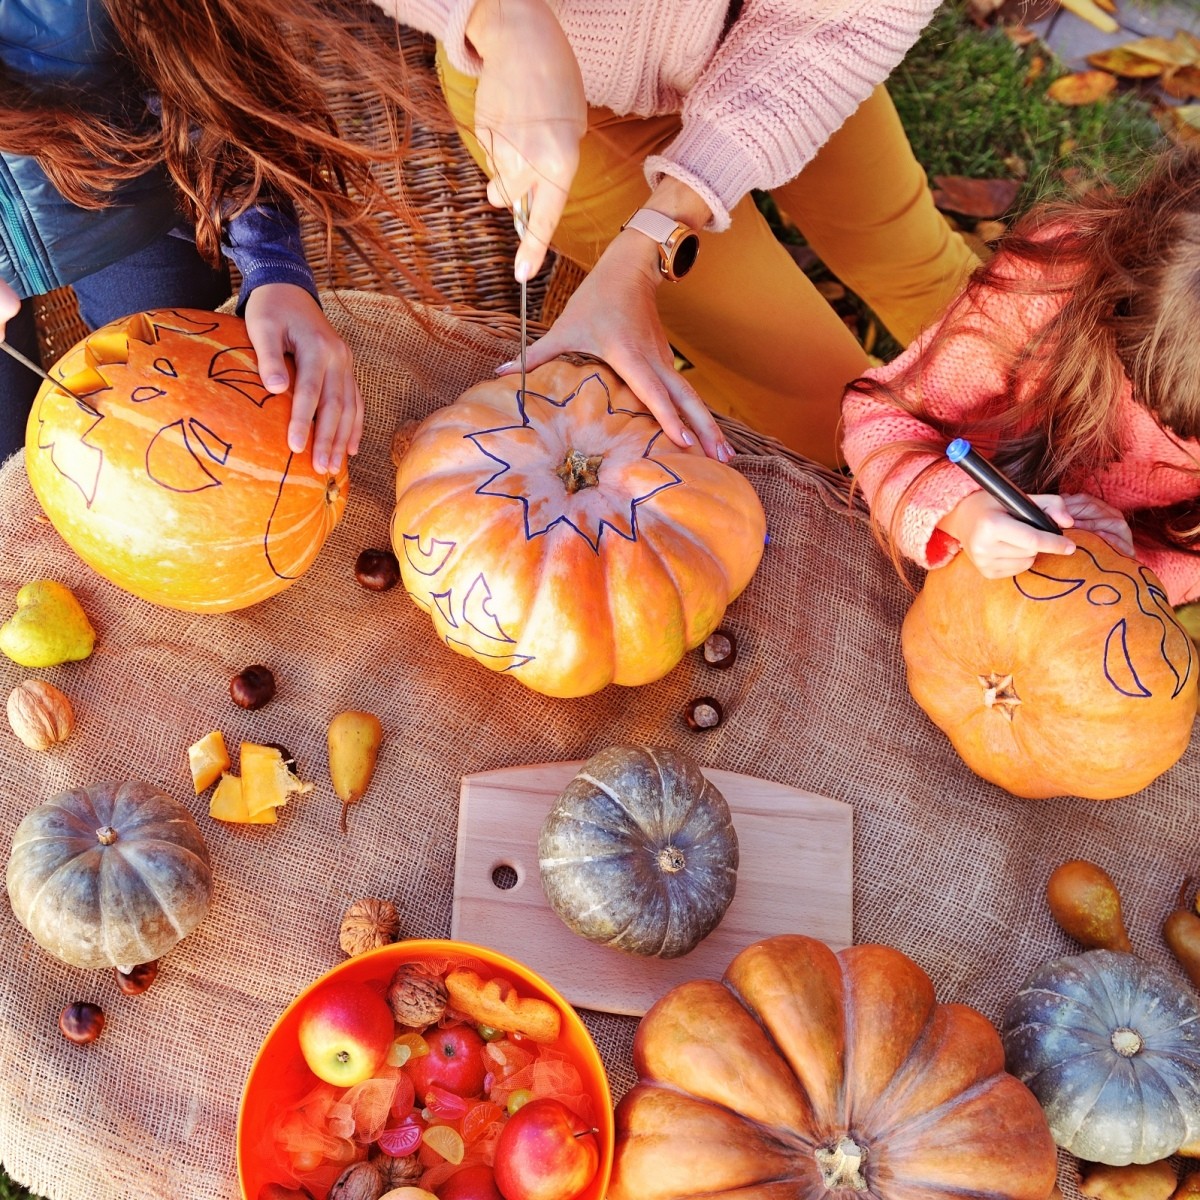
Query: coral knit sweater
(757,101)
(1155,468)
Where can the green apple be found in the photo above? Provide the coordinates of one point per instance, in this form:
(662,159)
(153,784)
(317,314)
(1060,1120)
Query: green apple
(345,1032)
(48,628)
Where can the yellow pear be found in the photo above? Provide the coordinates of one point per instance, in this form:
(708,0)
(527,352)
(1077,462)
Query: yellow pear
(48,628)
(354,741)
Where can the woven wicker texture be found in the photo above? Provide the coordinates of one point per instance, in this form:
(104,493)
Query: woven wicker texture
(947,868)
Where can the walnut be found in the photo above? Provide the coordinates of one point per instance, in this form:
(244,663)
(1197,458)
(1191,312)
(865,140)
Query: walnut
(40,715)
(417,998)
(368,924)
(397,1172)
(359,1181)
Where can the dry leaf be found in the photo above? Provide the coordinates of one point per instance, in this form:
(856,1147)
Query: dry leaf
(1016,166)
(1120,60)
(1037,67)
(1020,35)
(1180,51)
(1084,87)
(1092,13)
(1183,124)
(831,290)
(1107,5)
(990,231)
(1181,84)
(974,197)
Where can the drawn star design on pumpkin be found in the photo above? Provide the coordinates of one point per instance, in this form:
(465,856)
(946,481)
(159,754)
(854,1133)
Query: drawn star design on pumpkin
(531,452)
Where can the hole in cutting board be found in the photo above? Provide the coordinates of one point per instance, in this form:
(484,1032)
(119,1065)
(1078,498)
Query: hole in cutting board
(505,876)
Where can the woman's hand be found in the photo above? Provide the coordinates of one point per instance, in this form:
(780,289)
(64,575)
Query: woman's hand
(996,542)
(530,114)
(1101,518)
(282,318)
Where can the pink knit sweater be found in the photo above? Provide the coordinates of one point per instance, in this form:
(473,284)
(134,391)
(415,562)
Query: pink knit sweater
(1155,467)
(756,103)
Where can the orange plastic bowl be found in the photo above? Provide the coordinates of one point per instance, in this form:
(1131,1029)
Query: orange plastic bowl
(279,1075)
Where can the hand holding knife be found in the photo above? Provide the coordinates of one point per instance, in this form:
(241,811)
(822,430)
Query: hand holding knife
(14,353)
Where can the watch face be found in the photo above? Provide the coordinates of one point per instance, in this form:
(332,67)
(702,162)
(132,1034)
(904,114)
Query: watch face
(684,258)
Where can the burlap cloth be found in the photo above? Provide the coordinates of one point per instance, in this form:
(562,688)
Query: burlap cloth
(947,868)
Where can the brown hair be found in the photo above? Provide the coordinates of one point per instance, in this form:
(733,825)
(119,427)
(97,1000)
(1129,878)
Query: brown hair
(1121,272)
(245,114)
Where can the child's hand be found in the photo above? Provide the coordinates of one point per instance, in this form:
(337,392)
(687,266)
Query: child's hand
(996,542)
(282,318)
(1099,517)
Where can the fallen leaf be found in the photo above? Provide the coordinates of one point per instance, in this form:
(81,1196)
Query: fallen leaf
(1180,51)
(1016,166)
(974,197)
(1037,67)
(1183,124)
(990,231)
(1020,35)
(1092,13)
(1107,5)
(1120,60)
(831,290)
(1084,87)
(1181,84)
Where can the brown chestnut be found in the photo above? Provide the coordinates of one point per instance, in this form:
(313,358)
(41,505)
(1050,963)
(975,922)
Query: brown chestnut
(253,687)
(703,713)
(81,1022)
(137,979)
(289,759)
(720,649)
(377,570)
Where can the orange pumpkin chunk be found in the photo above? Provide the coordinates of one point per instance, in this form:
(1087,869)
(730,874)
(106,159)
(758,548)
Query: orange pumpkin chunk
(208,759)
(266,779)
(228,803)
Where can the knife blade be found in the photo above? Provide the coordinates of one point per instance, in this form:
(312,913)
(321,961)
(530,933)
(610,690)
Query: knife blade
(521,221)
(14,353)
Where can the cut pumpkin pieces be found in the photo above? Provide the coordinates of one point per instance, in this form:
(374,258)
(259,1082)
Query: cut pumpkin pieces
(228,803)
(208,759)
(263,786)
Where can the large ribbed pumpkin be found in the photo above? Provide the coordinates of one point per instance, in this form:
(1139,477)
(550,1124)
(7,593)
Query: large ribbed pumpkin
(172,476)
(559,536)
(1072,678)
(110,875)
(804,1074)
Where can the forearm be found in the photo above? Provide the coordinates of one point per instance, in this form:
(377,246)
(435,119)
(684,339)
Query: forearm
(264,244)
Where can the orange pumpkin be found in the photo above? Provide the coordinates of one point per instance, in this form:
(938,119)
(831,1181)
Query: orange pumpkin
(804,1073)
(1072,678)
(558,535)
(172,476)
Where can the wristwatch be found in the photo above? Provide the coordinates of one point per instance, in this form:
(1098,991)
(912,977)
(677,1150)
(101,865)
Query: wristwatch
(677,244)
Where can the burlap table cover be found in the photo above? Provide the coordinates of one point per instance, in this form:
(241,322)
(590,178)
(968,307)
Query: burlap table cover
(947,868)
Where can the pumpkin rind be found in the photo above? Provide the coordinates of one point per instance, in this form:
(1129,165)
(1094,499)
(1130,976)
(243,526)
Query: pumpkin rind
(1072,678)
(173,479)
(1066,1034)
(639,852)
(558,536)
(804,1073)
(111,875)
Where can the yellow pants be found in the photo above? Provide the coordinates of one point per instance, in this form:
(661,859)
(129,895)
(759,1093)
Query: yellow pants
(764,345)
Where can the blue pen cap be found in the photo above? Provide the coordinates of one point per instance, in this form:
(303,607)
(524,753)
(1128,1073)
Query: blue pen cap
(958,450)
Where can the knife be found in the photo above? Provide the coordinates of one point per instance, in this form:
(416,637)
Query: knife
(521,221)
(13,352)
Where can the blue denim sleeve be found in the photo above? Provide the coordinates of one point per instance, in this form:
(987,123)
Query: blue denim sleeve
(264,244)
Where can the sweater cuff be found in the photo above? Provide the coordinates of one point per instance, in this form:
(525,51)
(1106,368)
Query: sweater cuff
(919,535)
(658,165)
(264,244)
(446,20)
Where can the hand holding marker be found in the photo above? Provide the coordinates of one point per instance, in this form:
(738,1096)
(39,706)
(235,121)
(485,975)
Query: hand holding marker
(999,486)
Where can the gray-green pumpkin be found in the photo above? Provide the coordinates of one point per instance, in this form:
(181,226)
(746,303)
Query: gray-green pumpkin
(639,852)
(110,875)
(1110,1046)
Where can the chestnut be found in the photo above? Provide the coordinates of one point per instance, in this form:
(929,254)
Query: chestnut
(81,1022)
(137,979)
(720,649)
(253,687)
(289,759)
(703,713)
(377,570)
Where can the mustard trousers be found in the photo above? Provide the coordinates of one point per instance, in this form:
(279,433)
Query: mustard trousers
(764,345)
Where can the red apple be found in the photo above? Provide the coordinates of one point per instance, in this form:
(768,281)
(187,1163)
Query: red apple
(475,1182)
(545,1152)
(345,1032)
(454,1062)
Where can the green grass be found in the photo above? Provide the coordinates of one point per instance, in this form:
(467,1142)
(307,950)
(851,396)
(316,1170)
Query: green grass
(13,1191)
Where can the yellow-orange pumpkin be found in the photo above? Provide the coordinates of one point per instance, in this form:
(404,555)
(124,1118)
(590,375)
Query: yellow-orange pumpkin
(806,1074)
(173,478)
(559,536)
(1072,678)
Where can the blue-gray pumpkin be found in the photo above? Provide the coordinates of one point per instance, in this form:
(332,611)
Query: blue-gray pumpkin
(1110,1046)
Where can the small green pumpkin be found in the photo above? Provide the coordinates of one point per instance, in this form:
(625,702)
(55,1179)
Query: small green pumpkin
(1110,1046)
(639,852)
(111,875)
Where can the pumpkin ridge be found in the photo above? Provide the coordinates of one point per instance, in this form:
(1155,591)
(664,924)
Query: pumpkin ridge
(133,872)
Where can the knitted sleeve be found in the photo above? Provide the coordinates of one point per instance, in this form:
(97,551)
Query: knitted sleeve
(785,77)
(446,20)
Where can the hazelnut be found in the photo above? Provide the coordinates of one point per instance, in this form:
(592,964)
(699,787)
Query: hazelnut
(720,649)
(703,713)
(40,715)
(377,570)
(253,687)
(417,998)
(81,1022)
(137,979)
(368,924)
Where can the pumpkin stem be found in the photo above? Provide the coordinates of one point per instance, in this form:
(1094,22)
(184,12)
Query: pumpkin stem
(1126,1042)
(671,860)
(999,693)
(841,1165)
(106,836)
(579,470)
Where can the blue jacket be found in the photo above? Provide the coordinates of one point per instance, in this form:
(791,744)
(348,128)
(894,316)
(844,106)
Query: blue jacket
(45,241)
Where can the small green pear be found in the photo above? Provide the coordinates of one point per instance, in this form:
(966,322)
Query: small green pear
(354,741)
(48,628)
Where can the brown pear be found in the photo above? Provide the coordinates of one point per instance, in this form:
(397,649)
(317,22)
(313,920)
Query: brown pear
(1087,906)
(354,741)
(1181,932)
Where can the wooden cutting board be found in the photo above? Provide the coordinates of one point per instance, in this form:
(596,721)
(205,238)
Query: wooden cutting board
(795,877)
